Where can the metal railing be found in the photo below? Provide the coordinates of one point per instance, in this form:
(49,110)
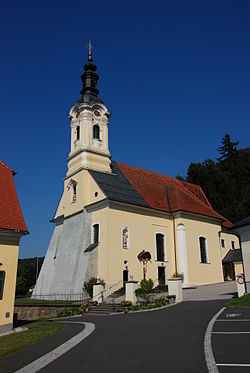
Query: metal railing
(64,296)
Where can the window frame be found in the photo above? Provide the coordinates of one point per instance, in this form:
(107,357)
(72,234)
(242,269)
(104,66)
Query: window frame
(223,243)
(93,233)
(96,125)
(78,132)
(2,282)
(206,250)
(233,247)
(164,247)
(128,242)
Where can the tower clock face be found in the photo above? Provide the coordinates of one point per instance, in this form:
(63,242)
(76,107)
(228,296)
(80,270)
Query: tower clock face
(97,113)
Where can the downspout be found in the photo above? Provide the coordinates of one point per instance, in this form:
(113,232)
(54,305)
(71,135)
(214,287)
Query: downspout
(222,268)
(171,212)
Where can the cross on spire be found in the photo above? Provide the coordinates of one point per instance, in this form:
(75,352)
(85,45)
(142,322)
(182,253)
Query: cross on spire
(90,50)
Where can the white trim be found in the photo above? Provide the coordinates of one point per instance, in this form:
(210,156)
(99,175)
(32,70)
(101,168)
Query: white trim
(92,232)
(105,135)
(206,248)
(48,358)
(225,245)
(182,251)
(128,242)
(70,187)
(164,247)
(208,351)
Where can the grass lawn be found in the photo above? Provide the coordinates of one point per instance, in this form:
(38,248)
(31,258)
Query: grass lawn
(17,341)
(24,301)
(241,302)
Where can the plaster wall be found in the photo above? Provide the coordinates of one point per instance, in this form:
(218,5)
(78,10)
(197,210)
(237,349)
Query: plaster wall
(238,268)
(245,244)
(66,265)
(201,273)
(228,237)
(142,227)
(86,194)
(8,258)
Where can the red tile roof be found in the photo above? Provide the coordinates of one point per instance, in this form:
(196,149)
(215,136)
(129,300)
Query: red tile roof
(182,196)
(11,216)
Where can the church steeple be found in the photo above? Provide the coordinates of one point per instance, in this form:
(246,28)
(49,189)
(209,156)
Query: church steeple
(89,120)
(90,78)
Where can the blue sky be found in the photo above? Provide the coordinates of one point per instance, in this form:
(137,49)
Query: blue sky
(175,75)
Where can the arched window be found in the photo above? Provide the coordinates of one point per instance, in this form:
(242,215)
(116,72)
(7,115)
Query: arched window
(95,233)
(125,238)
(203,250)
(72,186)
(96,132)
(74,193)
(160,247)
(2,277)
(77,132)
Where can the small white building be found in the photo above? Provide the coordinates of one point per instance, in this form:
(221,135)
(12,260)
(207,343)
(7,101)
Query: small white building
(243,229)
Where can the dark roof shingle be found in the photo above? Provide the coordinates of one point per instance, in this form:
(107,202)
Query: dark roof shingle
(233,256)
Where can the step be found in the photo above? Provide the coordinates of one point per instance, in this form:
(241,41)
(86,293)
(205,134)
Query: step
(104,308)
(118,293)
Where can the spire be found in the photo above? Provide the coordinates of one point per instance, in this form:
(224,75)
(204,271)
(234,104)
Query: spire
(89,78)
(90,51)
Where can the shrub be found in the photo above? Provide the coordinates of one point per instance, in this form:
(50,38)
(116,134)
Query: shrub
(69,311)
(88,285)
(82,308)
(126,303)
(178,275)
(145,291)
(147,285)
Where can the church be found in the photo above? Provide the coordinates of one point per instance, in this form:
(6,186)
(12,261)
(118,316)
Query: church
(110,214)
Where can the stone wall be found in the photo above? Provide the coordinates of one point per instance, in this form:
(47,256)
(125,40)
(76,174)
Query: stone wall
(31,313)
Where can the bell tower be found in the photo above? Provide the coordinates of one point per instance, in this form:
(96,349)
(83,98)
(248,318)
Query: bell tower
(89,119)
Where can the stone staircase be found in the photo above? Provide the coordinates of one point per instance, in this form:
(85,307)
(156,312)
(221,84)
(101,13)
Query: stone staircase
(104,309)
(117,294)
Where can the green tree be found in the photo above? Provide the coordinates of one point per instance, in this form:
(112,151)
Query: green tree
(227,182)
(228,148)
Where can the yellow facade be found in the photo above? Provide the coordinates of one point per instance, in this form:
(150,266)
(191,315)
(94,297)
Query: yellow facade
(9,247)
(105,235)
(143,225)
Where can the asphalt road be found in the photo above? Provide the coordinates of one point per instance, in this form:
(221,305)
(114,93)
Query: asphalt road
(168,340)
(231,340)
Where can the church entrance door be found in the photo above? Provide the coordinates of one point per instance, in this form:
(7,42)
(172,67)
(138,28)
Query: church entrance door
(125,277)
(161,276)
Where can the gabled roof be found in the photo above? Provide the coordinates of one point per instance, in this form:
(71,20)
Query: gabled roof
(233,256)
(117,187)
(242,223)
(146,188)
(11,217)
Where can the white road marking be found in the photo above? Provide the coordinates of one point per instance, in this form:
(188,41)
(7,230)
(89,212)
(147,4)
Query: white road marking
(240,320)
(211,365)
(230,332)
(233,365)
(40,363)
(233,314)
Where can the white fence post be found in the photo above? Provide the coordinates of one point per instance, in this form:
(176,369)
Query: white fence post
(131,286)
(240,281)
(175,288)
(98,293)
